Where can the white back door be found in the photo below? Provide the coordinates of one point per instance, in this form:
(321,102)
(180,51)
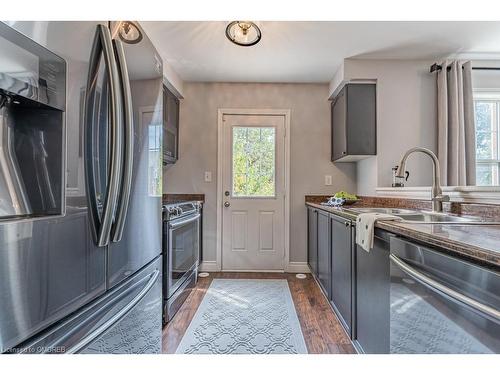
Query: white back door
(253,193)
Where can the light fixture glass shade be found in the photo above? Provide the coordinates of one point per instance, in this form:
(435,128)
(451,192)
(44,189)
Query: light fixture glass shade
(243,33)
(130,33)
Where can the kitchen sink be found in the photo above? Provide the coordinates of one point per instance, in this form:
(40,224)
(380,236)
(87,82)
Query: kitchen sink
(392,211)
(424,217)
(432,217)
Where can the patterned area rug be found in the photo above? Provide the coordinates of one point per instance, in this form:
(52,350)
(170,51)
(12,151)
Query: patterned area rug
(240,316)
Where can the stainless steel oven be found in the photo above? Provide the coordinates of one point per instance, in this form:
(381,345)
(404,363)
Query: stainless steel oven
(441,304)
(181,248)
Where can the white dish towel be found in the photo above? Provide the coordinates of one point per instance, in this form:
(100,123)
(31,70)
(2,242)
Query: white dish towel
(365,228)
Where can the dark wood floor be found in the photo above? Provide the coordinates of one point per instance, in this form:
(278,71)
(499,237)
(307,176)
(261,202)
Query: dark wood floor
(321,329)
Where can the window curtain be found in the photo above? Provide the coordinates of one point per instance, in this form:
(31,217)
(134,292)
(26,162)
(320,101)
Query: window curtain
(456,129)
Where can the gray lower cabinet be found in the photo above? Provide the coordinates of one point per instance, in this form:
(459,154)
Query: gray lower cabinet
(356,282)
(342,264)
(373,296)
(312,239)
(324,253)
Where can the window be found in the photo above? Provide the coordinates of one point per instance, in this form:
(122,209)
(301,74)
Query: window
(253,170)
(487,119)
(155,160)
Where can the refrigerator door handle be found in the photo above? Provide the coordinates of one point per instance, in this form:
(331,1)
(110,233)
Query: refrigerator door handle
(128,145)
(101,228)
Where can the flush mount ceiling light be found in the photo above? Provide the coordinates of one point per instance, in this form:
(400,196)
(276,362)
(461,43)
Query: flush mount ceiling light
(243,33)
(130,33)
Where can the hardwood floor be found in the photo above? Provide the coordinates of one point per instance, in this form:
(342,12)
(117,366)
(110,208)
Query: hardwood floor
(321,329)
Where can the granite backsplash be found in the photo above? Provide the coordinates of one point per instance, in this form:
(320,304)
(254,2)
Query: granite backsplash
(487,211)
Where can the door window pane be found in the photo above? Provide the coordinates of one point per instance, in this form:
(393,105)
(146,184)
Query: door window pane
(253,164)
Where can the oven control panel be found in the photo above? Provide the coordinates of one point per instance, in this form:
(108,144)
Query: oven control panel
(176,210)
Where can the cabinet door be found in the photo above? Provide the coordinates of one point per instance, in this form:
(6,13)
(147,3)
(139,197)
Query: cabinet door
(312,240)
(342,242)
(372,296)
(170,126)
(339,136)
(324,253)
(361,119)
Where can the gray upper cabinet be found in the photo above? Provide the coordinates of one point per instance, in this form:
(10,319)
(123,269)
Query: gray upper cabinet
(170,127)
(354,122)
(342,234)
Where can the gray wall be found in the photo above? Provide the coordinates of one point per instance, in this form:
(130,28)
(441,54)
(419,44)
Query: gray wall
(486,79)
(406,117)
(309,154)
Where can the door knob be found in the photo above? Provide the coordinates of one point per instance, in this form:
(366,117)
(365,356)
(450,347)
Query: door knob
(227,204)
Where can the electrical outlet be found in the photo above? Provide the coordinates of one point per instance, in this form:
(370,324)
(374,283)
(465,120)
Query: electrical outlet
(328,180)
(208,176)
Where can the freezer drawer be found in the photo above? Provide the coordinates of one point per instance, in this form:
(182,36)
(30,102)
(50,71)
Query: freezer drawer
(126,320)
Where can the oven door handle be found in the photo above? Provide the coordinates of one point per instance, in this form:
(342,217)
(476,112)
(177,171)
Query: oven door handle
(181,223)
(444,290)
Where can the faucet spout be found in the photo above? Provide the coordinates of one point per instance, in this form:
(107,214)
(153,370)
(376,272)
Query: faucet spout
(437,196)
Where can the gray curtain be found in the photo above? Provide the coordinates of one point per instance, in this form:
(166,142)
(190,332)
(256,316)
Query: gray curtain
(456,129)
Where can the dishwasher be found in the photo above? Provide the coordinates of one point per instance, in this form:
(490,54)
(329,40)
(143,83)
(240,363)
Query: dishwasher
(441,303)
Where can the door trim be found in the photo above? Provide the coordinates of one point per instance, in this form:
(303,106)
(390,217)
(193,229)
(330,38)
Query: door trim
(220,147)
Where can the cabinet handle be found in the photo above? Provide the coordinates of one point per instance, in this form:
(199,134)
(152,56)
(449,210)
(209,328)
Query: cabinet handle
(347,224)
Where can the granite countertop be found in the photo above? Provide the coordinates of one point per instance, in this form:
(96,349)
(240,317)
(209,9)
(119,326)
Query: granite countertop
(180,197)
(477,242)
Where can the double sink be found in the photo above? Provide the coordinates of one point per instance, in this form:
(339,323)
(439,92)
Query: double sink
(424,217)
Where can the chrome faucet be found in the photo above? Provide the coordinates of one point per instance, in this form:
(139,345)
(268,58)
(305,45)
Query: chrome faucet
(437,196)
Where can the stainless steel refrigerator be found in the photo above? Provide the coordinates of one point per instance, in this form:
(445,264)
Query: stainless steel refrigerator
(80,188)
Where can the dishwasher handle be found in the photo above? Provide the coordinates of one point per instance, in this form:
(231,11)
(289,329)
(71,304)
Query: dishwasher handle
(444,290)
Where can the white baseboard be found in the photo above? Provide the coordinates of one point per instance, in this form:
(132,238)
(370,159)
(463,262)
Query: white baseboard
(208,266)
(255,271)
(298,267)
(292,267)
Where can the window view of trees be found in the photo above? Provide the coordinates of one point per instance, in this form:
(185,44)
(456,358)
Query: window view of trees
(155,160)
(253,161)
(487,145)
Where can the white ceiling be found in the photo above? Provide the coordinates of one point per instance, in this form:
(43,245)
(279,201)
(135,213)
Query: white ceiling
(312,51)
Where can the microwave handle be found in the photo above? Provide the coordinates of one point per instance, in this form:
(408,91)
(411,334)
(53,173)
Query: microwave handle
(444,290)
(128,145)
(101,227)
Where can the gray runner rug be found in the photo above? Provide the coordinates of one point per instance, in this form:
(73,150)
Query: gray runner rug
(239,316)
